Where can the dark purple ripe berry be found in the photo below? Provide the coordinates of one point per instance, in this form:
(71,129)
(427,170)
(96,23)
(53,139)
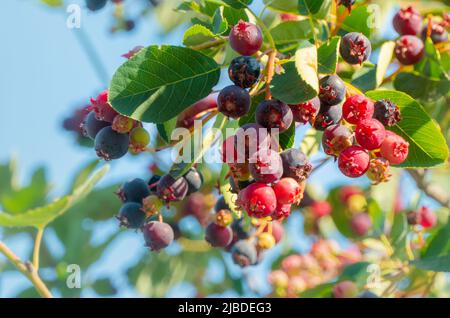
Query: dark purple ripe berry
(331,90)
(387,112)
(157,235)
(409,49)
(407,21)
(95,5)
(295,165)
(153,183)
(438,33)
(355,48)
(134,191)
(110,144)
(245,38)
(266,166)
(244,71)
(194,180)
(131,215)
(244,253)
(218,236)
(91,125)
(233,101)
(274,114)
(328,115)
(170,189)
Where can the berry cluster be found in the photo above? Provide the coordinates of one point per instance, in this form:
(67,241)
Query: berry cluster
(321,264)
(409,48)
(113,134)
(143,201)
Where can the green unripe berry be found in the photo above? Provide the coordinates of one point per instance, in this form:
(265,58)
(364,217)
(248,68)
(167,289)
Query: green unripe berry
(139,139)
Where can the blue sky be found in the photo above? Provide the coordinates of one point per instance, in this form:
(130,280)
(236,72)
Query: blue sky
(45,74)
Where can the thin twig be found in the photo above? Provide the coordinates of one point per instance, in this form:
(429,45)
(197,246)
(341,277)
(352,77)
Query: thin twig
(27,269)
(209,44)
(37,248)
(432,190)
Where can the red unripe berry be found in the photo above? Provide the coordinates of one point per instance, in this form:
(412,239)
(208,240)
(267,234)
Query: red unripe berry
(282,211)
(345,289)
(307,111)
(357,108)
(259,200)
(348,191)
(361,224)
(354,161)
(394,149)
(218,236)
(288,191)
(320,208)
(245,38)
(407,21)
(336,138)
(370,134)
(409,49)
(427,217)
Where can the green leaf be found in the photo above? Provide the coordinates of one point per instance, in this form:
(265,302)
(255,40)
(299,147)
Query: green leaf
(84,173)
(165,129)
(399,231)
(434,263)
(340,215)
(320,291)
(384,59)
(179,169)
(377,216)
(104,287)
(225,190)
(219,25)
(358,21)
(287,138)
(40,217)
(419,86)
(357,272)
(197,34)
(53,3)
(328,55)
(430,65)
(158,83)
(238,4)
(234,15)
(314,8)
(439,243)
(427,146)
(299,83)
(290,32)
(288,6)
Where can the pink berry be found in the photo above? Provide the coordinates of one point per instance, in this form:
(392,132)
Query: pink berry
(218,236)
(407,21)
(277,231)
(245,38)
(370,134)
(336,138)
(394,149)
(361,224)
(288,191)
(409,49)
(354,161)
(427,217)
(259,200)
(357,108)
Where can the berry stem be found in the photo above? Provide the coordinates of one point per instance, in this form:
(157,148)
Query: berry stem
(270,72)
(37,248)
(27,270)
